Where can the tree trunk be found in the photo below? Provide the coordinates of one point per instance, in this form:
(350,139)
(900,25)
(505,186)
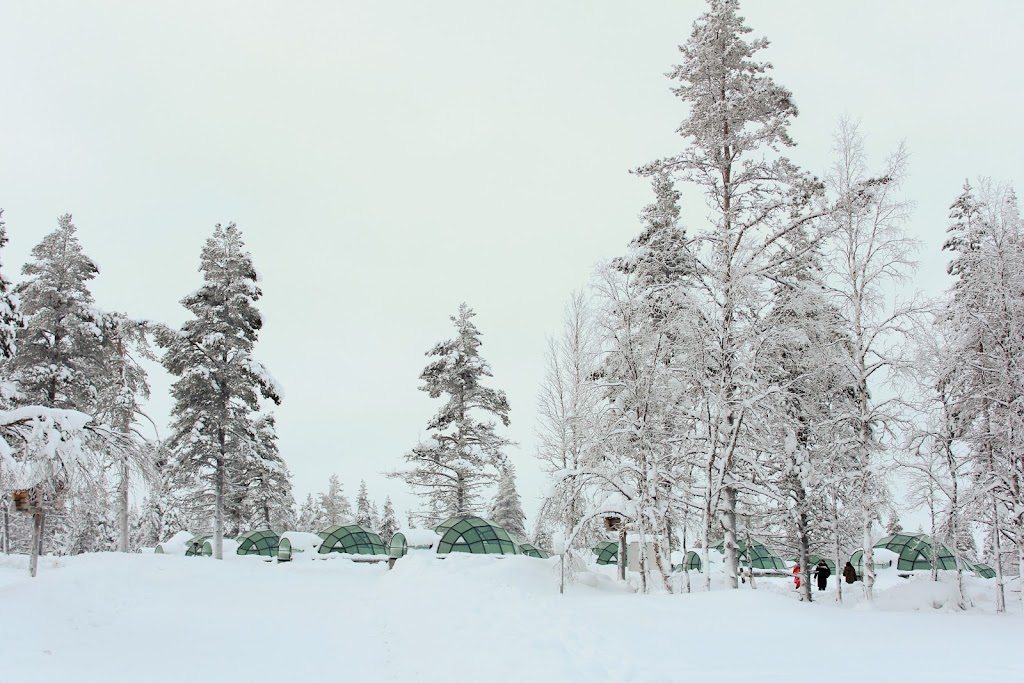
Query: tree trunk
(729,526)
(804,555)
(218,507)
(935,541)
(839,560)
(868,546)
(622,553)
(705,547)
(123,541)
(997,550)
(7,529)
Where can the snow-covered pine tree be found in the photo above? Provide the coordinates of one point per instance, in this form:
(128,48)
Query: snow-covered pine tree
(388,522)
(334,505)
(220,383)
(737,119)
(464,454)
(507,509)
(119,404)
(60,359)
(364,513)
(67,358)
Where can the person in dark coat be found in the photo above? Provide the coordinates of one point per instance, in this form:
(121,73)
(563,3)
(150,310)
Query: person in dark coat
(822,572)
(849,573)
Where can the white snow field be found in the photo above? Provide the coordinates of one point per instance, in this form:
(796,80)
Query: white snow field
(155,618)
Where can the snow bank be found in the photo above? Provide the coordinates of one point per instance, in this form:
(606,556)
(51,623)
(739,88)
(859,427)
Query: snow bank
(502,617)
(176,544)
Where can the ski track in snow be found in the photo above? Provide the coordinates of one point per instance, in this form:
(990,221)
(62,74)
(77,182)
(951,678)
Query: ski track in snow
(109,617)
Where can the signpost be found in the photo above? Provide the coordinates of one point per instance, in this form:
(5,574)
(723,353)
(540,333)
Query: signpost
(31,502)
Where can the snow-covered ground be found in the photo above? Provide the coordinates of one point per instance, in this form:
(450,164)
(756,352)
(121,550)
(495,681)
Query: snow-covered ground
(156,618)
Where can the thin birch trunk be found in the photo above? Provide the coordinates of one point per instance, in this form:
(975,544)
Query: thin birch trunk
(997,550)
(729,526)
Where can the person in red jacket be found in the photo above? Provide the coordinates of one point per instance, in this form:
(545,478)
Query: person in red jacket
(796,576)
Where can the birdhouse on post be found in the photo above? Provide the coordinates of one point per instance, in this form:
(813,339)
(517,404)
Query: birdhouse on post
(21,501)
(612,523)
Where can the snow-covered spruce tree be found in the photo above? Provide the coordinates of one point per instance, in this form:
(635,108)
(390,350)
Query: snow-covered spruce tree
(220,383)
(268,501)
(507,509)
(334,505)
(737,120)
(10,317)
(985,312)
(867,257)
(388,522)
(311,516)
(464,453)
(10,322)
(364,511)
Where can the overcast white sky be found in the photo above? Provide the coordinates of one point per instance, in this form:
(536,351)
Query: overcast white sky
(388,160)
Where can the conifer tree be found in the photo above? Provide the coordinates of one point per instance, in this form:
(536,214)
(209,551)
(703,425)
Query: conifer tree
(10,317)
(335,506)
(364,511)
(465,451)
(220,383)
(311,516)
(737,120)
(268,501)
(388,522)
(60,359)
(507,510)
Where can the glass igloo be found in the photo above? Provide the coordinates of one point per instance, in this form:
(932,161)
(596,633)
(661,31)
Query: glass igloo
(258,542)
(471,534)
(351,539)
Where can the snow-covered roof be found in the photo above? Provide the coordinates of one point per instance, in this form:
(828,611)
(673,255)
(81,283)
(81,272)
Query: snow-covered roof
(424,538)
(176,544)
(302,541)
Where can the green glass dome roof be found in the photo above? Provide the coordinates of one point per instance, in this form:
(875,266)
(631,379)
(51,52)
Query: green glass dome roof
(607,552)
(692,562)
(471,534)
(351,539)
(915,551)
(759,557)
(259,542)
(984,571)
(195,545)
(533,551)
